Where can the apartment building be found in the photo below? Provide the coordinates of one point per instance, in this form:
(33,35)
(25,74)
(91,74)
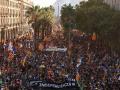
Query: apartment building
(12,18)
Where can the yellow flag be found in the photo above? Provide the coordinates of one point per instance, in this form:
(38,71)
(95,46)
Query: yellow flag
(23,61)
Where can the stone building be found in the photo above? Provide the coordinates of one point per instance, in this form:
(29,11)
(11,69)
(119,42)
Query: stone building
(12,18)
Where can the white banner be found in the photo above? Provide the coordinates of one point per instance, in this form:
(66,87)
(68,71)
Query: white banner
(56,49)
(42,84)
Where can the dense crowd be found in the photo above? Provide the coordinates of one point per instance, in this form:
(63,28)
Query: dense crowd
(13,63)
(98,68)
(20,64)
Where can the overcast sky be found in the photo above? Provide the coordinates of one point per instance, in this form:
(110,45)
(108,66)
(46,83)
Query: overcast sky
(43,3)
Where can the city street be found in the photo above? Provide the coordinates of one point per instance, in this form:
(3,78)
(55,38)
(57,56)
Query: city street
(59,44)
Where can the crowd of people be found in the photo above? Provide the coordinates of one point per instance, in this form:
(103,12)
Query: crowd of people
(20,64)
(13,62)
(98,67)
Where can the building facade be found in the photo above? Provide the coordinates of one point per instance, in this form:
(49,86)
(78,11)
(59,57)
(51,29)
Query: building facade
(12,18)
(113,3)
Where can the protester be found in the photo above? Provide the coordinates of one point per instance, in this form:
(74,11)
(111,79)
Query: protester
(97,66)
(93,65)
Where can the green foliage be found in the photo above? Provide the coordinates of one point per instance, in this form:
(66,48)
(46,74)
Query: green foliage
(33,13)
(67,16)
(42,19)
(95,16)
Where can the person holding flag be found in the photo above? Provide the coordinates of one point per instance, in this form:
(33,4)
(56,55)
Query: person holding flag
(79,81)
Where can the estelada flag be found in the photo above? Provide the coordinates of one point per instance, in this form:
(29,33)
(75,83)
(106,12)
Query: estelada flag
(94,37)
(77,76)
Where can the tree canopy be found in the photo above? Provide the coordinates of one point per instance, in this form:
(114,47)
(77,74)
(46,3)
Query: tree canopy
(95,16)
(41,18)
(67,16)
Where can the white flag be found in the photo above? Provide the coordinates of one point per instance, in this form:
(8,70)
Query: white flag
(10,47)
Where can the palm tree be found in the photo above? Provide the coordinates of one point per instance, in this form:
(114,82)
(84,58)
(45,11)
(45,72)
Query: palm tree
(33,16)
(33,13)
(46,19)
(41,19)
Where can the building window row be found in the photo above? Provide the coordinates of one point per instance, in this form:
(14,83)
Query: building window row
(4,2)
(4,11)
(9,21)
(10,3)
(9,12)
(14,4)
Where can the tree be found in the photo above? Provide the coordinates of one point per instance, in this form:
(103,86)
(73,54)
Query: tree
(96,16)
(93,16)
(114,34)
(46,20)
(67,16)
(33,15)
(42,19)
(68,20)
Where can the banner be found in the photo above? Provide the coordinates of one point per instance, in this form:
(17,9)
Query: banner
(56,49)
(51,85)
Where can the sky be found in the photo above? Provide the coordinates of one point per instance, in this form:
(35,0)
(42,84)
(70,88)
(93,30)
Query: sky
(43,3)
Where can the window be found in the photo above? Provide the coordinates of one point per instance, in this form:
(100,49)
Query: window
(0,21)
